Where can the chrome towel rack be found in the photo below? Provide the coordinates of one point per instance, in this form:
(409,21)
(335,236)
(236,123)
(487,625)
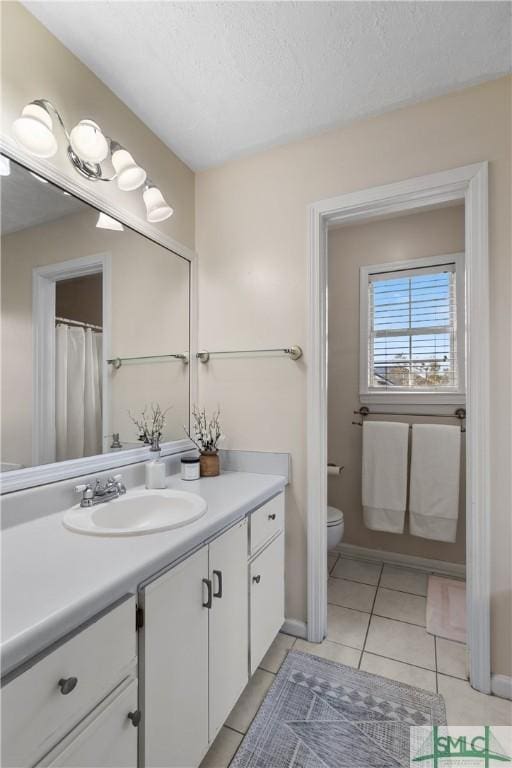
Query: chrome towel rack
(294,352)
(117,362)
(363,412)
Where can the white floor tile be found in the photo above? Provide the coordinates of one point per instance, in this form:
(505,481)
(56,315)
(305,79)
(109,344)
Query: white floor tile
(275,655)
(402,642)
(401,606)
(397,670)
(222,750)
(451,658)
(357,570)
(404,579)
(346,626)
(332,651)
(464,706)
(249,702)
(350,594)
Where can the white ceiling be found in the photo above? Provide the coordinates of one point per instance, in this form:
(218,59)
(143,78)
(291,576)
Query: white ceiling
(27,201)
(216,80)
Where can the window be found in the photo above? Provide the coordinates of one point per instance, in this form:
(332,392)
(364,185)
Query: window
(412,328)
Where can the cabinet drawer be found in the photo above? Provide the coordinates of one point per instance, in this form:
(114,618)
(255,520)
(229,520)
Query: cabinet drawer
(267,599)
(36,709)
(107,737)
(266,522)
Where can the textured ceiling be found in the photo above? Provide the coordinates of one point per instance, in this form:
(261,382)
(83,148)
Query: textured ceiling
(216,80)
(27,202)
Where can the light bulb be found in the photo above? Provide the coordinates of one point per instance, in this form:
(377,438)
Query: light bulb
(34,131)
(156,207)
(88,142)
(106,222)
(129,174)
(5,166)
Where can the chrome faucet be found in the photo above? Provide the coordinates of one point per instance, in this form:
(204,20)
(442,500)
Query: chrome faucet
(102,492)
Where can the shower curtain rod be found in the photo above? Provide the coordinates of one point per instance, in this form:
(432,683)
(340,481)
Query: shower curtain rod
(66,321)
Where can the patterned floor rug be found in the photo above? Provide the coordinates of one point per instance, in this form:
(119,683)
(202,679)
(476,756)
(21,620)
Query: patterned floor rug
(320,714)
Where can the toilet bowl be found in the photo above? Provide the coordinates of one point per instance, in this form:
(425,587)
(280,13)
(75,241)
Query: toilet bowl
(335,527)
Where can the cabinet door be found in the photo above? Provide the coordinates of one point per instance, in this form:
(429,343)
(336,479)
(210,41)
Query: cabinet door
(266,583)
(175,659)
(228,623)
(107,738)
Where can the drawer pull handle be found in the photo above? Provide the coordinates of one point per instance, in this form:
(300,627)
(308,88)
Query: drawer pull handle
(208,585)
(272,516)
(256,579)
(218,574)
(135,717)
(67,684)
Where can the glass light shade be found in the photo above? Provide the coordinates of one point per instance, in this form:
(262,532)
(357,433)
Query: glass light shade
(129,174)
(5,166)
(106,222)
(88,142)
(156,207)
(34,131)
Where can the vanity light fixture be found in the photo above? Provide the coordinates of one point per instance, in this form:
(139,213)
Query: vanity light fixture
(5,166)
(88,148)
(156,207)
(107,222)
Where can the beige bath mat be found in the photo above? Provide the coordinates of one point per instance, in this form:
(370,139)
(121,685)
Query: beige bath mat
(446,608)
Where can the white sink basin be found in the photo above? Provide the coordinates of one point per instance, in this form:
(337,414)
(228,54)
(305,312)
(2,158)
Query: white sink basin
(136,513)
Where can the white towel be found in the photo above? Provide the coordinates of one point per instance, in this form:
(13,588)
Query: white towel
(385,447)
(435,476)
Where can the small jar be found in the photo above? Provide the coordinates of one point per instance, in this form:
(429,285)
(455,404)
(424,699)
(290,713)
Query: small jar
(190,467)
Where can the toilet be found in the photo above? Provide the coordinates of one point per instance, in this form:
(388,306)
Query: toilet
(335,527)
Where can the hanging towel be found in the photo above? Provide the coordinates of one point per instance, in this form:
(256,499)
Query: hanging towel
(435,471)
(385,447)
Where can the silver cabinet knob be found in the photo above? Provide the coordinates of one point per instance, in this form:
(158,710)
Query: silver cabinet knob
(135,717)
(67,684)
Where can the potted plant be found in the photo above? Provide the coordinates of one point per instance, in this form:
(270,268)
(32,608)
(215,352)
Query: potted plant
(207,435)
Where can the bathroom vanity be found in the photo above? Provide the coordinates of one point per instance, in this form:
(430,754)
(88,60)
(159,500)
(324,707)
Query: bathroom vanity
(150,678)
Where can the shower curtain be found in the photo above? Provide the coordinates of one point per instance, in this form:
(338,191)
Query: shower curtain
(77,392)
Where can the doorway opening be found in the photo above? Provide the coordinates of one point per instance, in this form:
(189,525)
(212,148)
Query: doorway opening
(466,187)
(71,336)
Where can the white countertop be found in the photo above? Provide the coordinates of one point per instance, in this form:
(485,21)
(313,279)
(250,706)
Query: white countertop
(53,579)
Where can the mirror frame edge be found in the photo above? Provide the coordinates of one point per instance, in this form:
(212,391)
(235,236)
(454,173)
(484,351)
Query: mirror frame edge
(30,477)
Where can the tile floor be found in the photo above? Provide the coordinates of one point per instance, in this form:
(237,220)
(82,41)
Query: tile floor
(376,622)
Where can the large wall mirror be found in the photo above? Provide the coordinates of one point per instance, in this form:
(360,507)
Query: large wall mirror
(95,328)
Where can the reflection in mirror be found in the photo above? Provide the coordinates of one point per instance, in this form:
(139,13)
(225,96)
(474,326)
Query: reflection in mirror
(95,328)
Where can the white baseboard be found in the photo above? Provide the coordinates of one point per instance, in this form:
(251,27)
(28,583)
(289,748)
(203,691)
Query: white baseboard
(295,627)
(396,558)
(501,685)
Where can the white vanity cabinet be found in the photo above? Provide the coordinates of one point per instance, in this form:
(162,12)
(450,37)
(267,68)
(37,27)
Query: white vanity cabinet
(44,702)
(194,650)
(266,578)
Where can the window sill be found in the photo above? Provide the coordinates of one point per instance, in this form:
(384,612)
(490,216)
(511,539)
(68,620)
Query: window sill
(413,398)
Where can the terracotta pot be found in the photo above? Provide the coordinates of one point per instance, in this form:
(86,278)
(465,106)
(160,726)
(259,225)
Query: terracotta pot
(209,463)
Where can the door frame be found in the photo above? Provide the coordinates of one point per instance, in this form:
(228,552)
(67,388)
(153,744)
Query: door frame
(468,185)
(44,280)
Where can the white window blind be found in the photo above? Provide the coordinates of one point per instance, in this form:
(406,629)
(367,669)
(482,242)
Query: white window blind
(412,329)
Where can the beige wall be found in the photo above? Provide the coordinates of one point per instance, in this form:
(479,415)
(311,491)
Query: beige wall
(430,233)
(149,310)
(251,235)
(36,65)
(80,298)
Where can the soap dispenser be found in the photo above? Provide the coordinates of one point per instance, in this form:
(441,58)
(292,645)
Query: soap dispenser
(155,468)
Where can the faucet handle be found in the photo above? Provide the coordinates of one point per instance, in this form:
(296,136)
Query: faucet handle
(118,481)
(87,494)
(83,488)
